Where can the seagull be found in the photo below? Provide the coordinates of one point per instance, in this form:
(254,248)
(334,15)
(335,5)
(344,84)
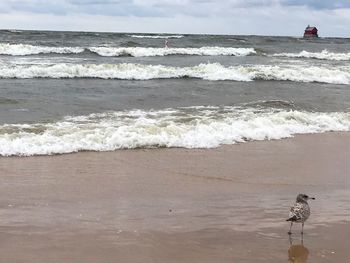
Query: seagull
(299,212)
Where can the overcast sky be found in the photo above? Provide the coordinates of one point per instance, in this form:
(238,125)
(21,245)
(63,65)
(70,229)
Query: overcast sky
(258,17)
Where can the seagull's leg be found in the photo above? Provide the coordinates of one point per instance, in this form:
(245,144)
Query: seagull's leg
(302,239)
(290,229)
(302,228)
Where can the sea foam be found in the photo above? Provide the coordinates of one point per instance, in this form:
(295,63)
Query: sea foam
(23,50)
(324,55)
(156,36)
(106,51)
(192,127)
(208,71)
(152,52)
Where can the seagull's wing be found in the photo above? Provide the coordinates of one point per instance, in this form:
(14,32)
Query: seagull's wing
(295,213)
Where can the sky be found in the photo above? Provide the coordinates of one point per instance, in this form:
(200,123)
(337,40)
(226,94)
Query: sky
(233,17)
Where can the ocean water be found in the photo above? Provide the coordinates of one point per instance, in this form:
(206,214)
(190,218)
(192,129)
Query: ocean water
(63,92)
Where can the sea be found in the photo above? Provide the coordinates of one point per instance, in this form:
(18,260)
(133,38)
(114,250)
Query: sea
(65,92)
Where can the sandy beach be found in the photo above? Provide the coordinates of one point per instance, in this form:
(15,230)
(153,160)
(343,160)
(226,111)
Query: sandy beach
(227,204)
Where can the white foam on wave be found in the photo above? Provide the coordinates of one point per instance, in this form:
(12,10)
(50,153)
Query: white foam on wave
(156,36)
(324,55)
(209,71)
(152,52)
(301,73)
(193,127)
(23,50)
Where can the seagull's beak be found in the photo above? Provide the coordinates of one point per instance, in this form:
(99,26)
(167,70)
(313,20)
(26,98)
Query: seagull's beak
(313,198)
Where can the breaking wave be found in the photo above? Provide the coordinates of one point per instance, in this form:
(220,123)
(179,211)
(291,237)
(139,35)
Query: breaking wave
(192,127)
(156,36)
(324,55)
(152,52)
(210,71)
(24,50)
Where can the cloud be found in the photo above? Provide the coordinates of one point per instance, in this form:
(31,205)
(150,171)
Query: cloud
(263,17)
(318,4)
(34,6)
(160,7)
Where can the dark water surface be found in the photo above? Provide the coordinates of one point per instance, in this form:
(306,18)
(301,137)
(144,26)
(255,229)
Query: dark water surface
(202,91)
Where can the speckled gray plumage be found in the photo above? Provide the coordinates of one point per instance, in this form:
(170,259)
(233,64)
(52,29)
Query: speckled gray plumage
(300,211)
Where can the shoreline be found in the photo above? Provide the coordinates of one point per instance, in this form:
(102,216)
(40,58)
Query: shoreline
(177,205)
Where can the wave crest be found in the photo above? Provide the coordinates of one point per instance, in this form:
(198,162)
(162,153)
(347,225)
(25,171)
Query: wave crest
(152,52)
(23,50)
(324,55)
(210,71)
(193,127)
(156,36)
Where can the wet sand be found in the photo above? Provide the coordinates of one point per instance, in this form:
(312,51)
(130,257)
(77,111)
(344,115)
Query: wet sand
(227,204)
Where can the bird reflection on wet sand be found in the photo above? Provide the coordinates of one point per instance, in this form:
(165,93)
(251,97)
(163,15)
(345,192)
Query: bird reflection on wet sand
(297,253)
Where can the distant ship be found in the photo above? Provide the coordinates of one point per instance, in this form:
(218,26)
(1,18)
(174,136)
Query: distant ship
(310,31)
